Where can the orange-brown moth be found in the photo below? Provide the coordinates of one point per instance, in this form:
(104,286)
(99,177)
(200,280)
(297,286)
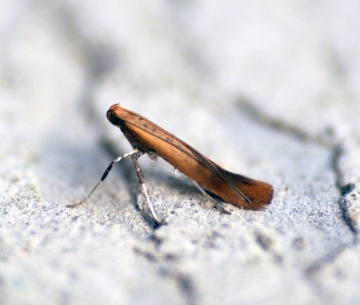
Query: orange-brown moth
(213,180)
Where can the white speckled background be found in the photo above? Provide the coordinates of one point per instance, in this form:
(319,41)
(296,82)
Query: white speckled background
(268,89)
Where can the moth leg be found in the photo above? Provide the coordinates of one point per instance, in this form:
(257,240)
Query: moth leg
(218,203)
(139,173)
(203,191)
(106,173)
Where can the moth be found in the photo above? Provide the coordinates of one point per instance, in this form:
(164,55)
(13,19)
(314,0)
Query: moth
(213,180)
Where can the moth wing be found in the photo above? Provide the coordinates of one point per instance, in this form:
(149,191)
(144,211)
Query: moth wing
(255,194)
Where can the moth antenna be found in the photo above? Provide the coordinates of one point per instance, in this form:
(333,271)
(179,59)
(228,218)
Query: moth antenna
(106,173)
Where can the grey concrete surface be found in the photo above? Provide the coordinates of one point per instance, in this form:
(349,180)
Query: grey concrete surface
(270,90)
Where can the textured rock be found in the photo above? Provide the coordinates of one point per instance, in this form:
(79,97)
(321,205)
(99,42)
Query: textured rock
(268,90)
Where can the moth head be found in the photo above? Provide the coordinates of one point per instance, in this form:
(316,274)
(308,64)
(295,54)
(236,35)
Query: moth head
(115,114)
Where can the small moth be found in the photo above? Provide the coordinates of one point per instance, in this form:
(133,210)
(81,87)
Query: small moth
(213,180)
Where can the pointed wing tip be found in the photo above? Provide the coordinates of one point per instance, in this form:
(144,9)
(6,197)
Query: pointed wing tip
(260,197)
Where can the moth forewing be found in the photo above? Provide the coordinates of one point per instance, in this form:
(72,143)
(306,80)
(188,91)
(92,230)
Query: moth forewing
(229,187)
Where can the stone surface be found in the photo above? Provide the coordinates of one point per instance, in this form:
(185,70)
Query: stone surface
(268,90)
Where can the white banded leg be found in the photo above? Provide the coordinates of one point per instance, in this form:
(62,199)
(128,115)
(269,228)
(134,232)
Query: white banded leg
(139,173)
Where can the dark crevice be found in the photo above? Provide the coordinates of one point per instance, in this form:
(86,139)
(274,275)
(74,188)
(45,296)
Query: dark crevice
(325,140)
(347,218)
(337,152)
(347,188)
(343,188)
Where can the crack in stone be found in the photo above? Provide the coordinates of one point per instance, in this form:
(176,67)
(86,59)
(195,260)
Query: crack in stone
(343,188)
(327,142)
